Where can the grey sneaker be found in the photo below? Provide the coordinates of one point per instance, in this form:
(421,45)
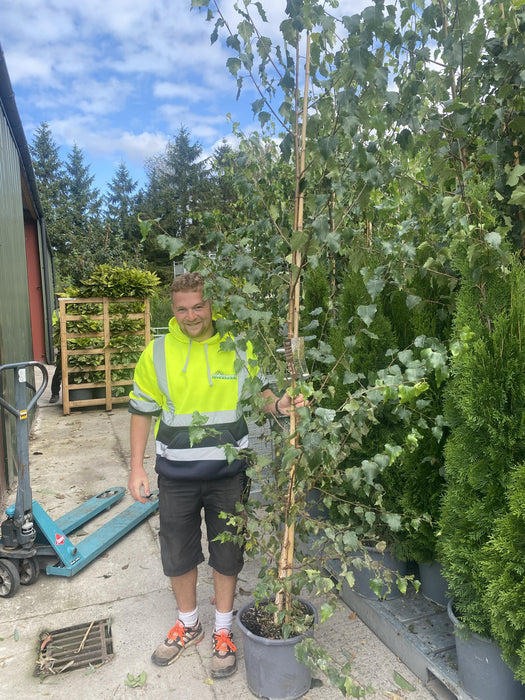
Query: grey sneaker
(54,398)
(179,637)
(223,662)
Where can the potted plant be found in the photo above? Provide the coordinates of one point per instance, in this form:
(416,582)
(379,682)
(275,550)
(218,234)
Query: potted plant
(485,404)
(503,569)
(296,201)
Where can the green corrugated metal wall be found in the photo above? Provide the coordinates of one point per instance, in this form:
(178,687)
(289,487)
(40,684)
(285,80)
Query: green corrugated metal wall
(15,320)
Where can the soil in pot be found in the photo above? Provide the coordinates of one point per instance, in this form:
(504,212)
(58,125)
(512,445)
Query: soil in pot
(261,622)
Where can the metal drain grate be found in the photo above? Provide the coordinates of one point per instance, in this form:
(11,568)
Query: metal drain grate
(75,647)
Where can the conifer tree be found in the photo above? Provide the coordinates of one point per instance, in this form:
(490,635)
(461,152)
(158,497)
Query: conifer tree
(121,209)
(179,189)
(504,570)
(222,165)
(485,405)
(90,242)
(49,169)
(84,199)
(50,176)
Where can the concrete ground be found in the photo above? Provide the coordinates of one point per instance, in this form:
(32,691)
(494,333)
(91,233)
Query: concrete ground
(75,457)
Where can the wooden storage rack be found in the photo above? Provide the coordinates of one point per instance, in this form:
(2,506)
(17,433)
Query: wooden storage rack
(105,351)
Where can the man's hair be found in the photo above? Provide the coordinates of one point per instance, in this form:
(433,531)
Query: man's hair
(187,282)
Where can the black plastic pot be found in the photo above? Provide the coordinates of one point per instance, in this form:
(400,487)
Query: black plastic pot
(272,671)
(80,394)
(433,583)
(362,576)
(482,671)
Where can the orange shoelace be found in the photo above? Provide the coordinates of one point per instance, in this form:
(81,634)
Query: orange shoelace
(177,633)
(223,642)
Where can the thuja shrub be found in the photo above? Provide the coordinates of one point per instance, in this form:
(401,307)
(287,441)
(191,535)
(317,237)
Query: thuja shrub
(503,567)
(485,403)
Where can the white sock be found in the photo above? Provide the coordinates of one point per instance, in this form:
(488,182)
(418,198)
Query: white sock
(223,621)
(189,619)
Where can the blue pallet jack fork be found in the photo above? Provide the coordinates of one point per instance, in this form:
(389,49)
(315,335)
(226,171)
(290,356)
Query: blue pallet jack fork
(30,538)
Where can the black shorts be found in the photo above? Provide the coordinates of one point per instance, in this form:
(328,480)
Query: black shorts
(180,504)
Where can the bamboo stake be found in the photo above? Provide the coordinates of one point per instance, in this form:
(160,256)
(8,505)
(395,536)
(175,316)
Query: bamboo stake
(283,599)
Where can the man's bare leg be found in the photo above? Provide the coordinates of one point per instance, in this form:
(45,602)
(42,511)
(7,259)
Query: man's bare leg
(185,590)
(224,591)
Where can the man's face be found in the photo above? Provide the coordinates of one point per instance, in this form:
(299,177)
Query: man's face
(193,314)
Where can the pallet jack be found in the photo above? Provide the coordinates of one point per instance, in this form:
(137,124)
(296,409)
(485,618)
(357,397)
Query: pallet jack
(30,540)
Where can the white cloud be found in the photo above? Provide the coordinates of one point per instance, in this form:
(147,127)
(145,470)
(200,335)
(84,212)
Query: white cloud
(27,68)
(208,127)
(169,90)
(122,18)
(117,144)
(208,131)
(100,97)
(48,22)
(140,147)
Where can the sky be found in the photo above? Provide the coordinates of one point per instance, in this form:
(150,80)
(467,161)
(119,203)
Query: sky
(119,78)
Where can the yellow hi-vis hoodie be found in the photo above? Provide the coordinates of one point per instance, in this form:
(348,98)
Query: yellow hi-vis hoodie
(177,376)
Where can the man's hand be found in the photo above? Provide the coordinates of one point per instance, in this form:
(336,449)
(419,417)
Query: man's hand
(286,402)
(138,485)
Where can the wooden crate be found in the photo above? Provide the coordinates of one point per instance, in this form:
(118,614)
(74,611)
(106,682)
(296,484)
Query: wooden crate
(106,351)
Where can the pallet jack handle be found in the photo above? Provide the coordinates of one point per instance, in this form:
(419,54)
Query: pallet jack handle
(23,515)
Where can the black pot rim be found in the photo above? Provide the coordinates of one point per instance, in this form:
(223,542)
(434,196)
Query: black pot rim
(462,628)
(274,642)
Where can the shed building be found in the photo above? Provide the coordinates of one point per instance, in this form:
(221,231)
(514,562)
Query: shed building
(26,267)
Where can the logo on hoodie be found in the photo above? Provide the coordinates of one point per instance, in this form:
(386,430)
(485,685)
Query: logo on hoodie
(222,375)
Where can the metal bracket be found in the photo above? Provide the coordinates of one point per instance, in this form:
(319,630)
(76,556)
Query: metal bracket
(295,358)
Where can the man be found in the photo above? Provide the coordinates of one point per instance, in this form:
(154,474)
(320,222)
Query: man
(57,375)
(177,375)
(57,379)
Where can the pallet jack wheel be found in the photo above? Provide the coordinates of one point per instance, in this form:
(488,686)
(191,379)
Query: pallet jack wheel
(9,578)
(29,571)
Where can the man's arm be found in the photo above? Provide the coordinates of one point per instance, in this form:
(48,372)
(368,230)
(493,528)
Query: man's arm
(139,433)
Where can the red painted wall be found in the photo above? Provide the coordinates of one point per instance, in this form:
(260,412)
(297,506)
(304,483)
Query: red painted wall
(36,304)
